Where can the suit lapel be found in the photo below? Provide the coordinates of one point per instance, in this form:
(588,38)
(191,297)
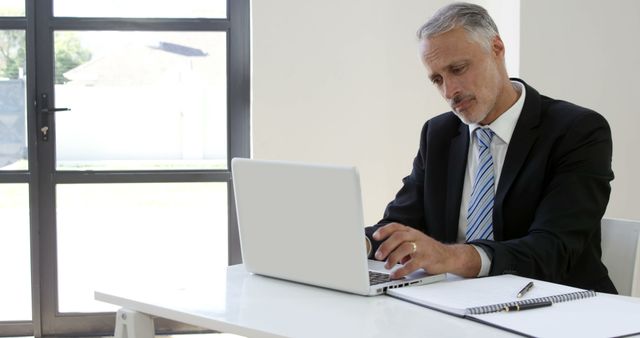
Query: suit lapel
(456,169)
(523,138)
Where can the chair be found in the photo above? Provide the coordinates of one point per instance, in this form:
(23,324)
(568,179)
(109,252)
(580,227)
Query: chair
(621,254)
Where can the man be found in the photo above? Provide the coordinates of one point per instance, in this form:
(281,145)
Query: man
(509,181)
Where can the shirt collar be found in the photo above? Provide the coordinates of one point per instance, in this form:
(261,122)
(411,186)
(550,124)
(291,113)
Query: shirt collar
(504,125)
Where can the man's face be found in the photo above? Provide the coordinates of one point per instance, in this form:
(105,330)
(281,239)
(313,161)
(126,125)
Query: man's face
(467,75)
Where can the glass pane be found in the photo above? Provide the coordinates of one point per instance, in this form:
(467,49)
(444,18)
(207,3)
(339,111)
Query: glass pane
(12,8)
(13,130)
(141,8)
(112,235)
(141,100)
(15,258)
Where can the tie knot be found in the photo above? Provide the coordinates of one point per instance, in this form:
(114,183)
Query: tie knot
(484,136)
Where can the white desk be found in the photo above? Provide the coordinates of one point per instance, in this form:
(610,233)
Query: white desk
(256,306)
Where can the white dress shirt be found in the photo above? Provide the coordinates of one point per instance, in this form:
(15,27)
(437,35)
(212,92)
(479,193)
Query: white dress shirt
(503,128)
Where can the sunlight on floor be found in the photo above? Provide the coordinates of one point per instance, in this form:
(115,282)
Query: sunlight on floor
(205,335)
(200,335)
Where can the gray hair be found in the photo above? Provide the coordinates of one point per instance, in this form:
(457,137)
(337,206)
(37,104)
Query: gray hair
(473,18)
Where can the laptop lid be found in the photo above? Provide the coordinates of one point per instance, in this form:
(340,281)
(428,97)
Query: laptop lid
(304,222)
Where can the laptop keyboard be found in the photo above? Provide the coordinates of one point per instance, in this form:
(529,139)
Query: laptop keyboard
(378,277)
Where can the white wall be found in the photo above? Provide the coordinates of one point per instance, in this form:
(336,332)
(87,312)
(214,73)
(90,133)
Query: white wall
(587,52)
(340,82)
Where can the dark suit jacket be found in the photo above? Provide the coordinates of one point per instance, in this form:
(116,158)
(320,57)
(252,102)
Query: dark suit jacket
(552,193)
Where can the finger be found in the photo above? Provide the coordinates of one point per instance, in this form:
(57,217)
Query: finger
(401,253)
(411,266)
(391,244)
(387,230)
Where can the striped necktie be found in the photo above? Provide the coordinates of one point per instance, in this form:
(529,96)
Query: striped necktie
(480,208)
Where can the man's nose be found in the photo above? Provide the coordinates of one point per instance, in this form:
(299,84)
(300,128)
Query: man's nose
(450,88)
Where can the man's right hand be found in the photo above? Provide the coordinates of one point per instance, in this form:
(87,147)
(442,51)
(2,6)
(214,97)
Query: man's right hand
(414,250)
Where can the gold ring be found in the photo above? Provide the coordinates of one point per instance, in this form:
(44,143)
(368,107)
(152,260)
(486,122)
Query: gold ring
(415,247)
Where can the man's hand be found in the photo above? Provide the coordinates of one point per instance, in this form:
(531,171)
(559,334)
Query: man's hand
(434,257)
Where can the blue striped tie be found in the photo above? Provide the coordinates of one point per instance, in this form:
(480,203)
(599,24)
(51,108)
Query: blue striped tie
(480,209)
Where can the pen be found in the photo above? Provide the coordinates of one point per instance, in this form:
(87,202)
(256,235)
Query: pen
(527,306)
(525,289)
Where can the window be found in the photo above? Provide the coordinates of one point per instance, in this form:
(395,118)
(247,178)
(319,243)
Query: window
(118,121)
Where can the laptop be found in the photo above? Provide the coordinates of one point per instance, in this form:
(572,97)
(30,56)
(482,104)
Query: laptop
(304,223)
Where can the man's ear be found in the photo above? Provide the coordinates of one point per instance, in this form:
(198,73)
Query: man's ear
(497,46)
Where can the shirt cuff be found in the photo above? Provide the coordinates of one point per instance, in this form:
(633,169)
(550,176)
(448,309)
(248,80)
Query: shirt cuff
(485,261)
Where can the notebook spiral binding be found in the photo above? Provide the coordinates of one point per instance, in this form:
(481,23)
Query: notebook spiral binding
(479,310)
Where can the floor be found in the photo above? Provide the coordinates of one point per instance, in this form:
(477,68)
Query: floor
(204,335)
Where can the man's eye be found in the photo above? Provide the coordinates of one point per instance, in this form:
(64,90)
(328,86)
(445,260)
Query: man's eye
(436,81)
(458,70)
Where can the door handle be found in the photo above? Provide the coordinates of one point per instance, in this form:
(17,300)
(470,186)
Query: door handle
(45,111)
(48,111)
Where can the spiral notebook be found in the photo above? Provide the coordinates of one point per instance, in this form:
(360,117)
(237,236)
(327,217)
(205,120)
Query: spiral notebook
(574,312)
(486,295)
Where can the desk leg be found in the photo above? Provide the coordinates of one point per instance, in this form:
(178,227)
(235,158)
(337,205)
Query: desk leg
(131,324)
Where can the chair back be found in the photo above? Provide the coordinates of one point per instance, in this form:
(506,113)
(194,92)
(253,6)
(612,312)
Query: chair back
(621,254)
